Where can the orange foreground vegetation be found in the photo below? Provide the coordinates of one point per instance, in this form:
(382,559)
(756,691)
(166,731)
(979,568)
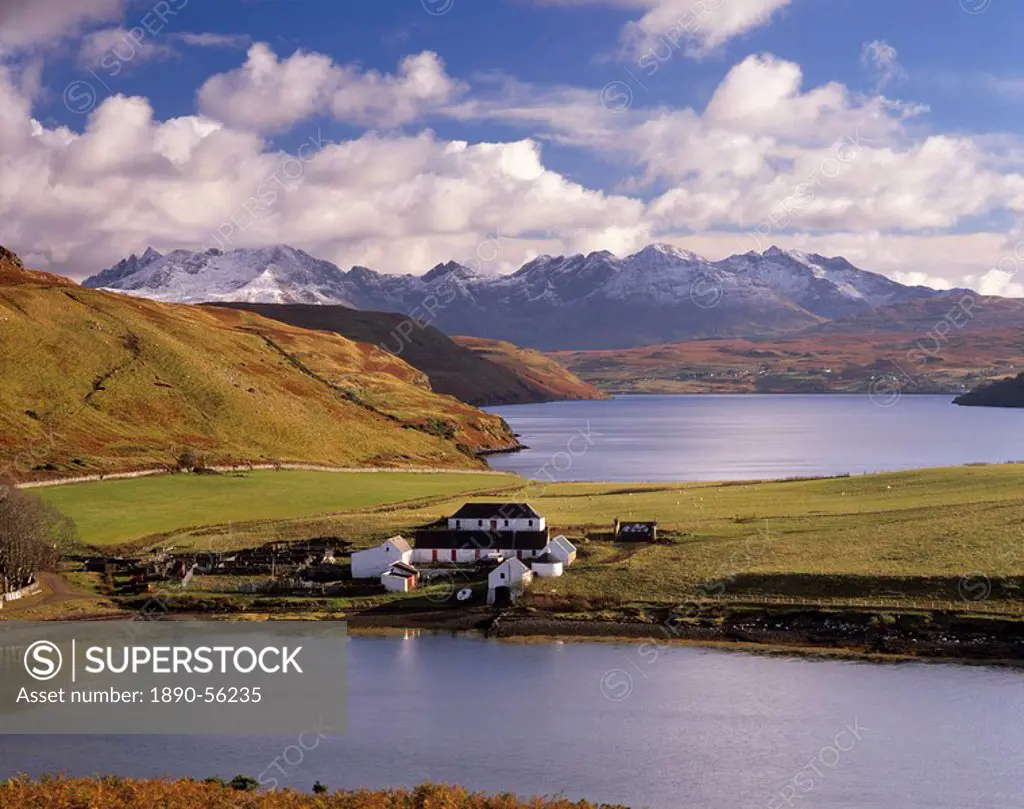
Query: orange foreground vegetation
(118,793)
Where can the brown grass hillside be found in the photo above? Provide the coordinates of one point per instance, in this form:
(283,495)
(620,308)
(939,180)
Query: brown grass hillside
(481,372)
(98,382)
(542,373)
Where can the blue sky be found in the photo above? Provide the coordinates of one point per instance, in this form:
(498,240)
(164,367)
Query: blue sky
(884,131)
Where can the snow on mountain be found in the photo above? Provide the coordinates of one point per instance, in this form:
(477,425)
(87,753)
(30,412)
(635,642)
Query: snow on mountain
(659,294)
(278,274)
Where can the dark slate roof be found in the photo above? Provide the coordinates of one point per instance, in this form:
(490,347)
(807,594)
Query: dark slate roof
(483,540)
(637,529)
(496,511)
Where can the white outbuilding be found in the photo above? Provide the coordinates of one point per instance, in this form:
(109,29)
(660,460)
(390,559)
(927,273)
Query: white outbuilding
(508,580)
(373,562)
(400,578)
(547,566)
(563,549)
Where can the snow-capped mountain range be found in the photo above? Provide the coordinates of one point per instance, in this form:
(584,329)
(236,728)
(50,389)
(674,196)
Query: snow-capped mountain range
(659,294)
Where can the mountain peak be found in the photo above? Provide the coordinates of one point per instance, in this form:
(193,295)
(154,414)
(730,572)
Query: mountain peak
(151,255)
(450,269)
(663,252)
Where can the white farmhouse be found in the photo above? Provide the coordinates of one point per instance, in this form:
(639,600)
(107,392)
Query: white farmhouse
(373,562)
(504,517)
(480,531)
(400,578)
(562,549)
(511,575)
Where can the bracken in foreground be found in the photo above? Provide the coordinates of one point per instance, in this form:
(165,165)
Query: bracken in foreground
(118,793)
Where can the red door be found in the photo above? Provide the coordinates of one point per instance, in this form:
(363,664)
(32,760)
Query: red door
(494,525)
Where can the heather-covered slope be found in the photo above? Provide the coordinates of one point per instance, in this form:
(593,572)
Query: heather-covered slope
(542,373)
(97,382)
(481,372)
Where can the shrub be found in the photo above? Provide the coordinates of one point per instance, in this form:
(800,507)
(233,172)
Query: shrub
(243,783)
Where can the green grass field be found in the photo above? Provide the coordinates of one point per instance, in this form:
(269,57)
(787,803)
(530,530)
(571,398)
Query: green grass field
(119,511)
(906,535)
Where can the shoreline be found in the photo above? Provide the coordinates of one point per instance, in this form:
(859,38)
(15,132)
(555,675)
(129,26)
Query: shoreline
(620,635)
(483,624)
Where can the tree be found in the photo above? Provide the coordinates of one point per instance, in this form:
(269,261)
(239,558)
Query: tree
(319,789)
(243,783)
(33,536)
(188,460)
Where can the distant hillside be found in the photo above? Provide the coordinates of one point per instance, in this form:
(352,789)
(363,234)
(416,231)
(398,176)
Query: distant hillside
(961,312)
(809,362)
(541,372)
(476,372)
(98,382)
(1003,393)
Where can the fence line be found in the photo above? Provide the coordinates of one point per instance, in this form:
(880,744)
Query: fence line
(17,595)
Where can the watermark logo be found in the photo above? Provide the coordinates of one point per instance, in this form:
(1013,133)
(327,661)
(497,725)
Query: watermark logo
(706,293)
(43,660)
(80,97)
(885,391)
(974,587)
(617,685)
(437,8)
(975,6)
(616,97)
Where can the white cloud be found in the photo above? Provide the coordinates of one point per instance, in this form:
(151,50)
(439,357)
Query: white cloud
(767,154)
(268,94)
(271,95)
(25,23)
(78,202)
(767,160)
(210,40)
(701,26)
(882,60)
(117,48)
(998,282)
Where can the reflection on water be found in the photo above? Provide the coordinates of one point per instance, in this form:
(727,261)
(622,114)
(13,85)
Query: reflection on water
(693,728)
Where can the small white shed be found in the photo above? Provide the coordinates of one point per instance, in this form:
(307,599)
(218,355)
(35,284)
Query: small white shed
(547,566)
(563,549)
(400,578)
(511,574)
(373,562)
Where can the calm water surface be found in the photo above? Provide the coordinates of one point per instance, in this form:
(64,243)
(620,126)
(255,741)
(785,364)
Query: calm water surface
(657,438)
(690,728)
